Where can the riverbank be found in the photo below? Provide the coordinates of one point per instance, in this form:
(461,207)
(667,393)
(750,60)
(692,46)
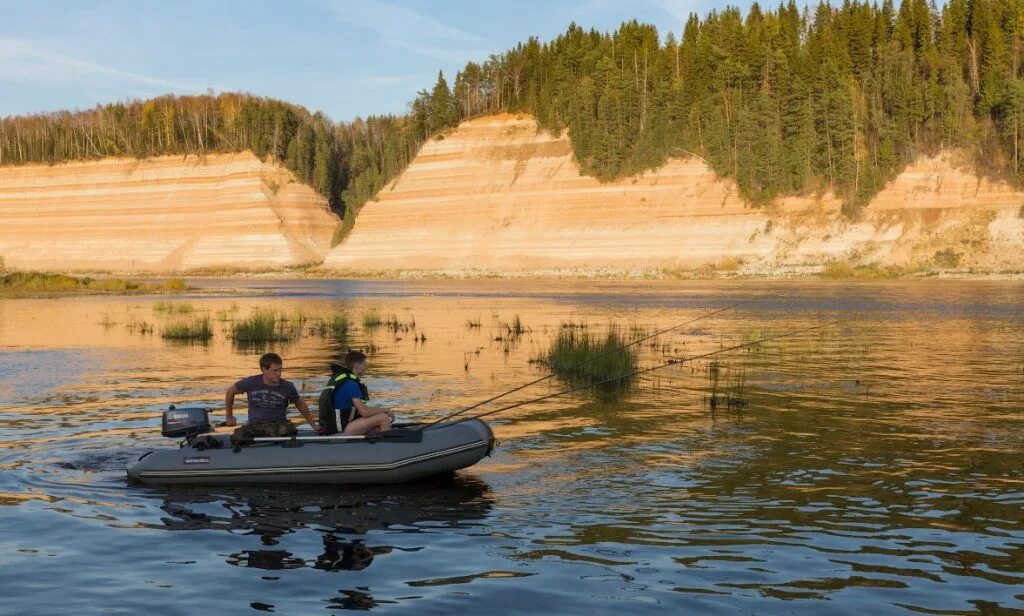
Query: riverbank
(106,282)
(39,284)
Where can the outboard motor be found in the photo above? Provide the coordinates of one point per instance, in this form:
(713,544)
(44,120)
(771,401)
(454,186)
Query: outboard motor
(187,422)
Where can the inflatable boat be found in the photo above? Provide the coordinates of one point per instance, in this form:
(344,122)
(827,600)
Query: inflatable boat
(404,453)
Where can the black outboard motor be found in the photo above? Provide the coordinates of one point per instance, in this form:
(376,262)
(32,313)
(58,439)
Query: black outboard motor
(187,422)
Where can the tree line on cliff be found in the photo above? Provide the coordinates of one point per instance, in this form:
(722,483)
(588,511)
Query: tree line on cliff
(783,101)
(347,162)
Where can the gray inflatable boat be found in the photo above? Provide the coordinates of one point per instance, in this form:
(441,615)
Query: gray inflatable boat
(401,454)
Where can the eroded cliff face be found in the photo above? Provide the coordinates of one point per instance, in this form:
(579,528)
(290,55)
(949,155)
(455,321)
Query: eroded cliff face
(495,195)
(172,213)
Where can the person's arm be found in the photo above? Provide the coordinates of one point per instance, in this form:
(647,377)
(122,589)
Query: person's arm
(301,405)
(369,411)
(229,405)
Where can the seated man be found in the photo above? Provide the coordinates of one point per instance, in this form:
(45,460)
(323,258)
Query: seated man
(351,413)
(269,396)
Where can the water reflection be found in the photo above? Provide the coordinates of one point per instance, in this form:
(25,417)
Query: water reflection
(341,516)
(873,467)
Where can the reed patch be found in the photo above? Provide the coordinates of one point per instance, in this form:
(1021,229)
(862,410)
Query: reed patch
(581,357)
(197,330)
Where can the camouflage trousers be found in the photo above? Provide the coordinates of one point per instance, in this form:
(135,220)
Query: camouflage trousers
(245,434)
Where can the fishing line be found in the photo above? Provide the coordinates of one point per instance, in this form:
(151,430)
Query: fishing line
(593,359)
(671,362)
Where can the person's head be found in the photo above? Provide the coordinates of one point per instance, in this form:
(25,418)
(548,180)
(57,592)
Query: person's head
(356,361)
(270,365)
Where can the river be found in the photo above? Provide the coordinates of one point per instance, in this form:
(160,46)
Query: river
(874,464)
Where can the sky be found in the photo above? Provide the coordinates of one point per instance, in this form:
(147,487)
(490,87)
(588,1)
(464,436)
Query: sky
(346,58)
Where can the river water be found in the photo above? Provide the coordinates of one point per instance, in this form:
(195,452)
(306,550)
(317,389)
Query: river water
(874,464)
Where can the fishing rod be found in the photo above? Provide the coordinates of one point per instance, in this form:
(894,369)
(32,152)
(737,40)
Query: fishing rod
(671,362)
(593,359)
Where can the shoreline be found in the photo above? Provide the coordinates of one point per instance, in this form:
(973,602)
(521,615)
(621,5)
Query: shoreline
(804,274)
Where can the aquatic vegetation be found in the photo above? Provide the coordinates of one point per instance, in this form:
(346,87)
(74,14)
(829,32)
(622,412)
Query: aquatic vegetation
(581,357)
(337,327)
(135,325)
(296,320)
(371,320)
(261,326)
(108,321)
(394,325)
(228,313)
(727,387)
(198,329)
(516,327)
(473,323)
(168,307)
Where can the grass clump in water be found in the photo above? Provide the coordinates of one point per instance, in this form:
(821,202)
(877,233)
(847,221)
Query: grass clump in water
(581,357)
(261,326)
(166,307)
(336,327)
(516,327)
(372,320)
(199,330)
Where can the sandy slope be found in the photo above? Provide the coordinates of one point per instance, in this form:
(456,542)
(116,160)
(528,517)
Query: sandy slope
(161,214)
(496,195)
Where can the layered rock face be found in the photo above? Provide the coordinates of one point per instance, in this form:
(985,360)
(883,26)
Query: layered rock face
(170,213)
(496,195)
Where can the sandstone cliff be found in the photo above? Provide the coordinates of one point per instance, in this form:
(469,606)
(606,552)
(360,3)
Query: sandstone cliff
(162,214)
(495,195)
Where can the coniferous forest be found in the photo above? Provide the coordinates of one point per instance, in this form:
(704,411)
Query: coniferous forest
(784,101)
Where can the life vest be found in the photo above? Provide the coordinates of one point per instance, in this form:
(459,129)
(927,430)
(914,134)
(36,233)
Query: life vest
(334,420)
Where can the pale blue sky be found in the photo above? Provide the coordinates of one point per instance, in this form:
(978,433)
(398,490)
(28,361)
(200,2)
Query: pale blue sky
(346,58)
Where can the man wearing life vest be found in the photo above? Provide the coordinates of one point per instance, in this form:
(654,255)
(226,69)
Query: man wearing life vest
(351,414)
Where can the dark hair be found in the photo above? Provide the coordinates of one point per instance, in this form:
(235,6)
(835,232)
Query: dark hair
(269,359)
(353,357)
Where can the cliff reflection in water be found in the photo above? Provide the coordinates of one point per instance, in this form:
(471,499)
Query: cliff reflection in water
(338,513)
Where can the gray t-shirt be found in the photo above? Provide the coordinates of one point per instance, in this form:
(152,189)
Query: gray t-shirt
(267,402)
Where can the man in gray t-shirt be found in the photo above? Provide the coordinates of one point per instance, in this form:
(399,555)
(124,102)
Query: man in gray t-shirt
(269,396)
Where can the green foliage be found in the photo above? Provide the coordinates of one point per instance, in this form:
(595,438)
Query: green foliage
(198,329)
(580,357)
(346,162)
(167,307)
(15,284)
(336,327)
(372,320)
(947,258)
(261,326)
(783,101)
(844,270)
(175,284)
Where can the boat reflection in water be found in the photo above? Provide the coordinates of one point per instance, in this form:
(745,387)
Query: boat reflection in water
(343,515)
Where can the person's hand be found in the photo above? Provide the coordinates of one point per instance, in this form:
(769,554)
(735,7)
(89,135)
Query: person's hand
(230,421)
